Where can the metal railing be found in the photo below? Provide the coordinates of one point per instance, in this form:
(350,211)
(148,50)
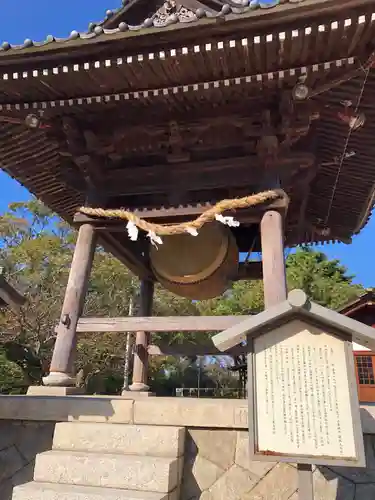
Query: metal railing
(211,392)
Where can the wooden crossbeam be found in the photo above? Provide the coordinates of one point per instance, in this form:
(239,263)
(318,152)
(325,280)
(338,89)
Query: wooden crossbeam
(187,349)
(158,324)
(198,175)
(191,175)
(174,214)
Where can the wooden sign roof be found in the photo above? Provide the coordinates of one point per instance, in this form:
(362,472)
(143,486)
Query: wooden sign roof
(297,306)
(299,349)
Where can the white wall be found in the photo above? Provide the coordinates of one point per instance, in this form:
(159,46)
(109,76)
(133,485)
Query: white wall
(357,347)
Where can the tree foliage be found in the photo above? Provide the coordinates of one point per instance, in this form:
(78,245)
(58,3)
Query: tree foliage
(324,281)
(11,376)
(36,250)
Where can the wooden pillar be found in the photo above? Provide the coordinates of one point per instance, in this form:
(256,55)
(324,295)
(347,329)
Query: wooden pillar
(62,369)
(140,366)
(273,262)
(275,291)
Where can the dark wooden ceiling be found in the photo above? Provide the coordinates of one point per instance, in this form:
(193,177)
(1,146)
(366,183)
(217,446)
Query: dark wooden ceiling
(189,123)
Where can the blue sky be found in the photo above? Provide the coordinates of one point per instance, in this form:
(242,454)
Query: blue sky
(36,19)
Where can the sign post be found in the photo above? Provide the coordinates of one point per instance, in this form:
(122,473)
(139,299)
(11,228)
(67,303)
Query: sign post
(303,402)
(305,482)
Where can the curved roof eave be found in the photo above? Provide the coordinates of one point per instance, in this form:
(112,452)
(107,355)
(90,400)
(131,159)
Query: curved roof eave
(250,10)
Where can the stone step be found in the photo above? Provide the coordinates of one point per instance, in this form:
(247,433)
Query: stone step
(48,491)
(108,470)
(120,438)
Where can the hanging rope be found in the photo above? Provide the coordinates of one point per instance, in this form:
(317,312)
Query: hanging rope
(213,213)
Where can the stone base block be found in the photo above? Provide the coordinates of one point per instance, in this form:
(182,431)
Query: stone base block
(128,472)
(59,379)
(44,390)
(137,394)
(47,491)
(125,439)
(139,387)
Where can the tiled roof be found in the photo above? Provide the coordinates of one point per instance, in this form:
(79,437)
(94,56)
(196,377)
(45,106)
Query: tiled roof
(367,298)
(172,12)
(141,80)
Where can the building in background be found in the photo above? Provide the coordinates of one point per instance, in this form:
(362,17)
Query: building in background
(363,310)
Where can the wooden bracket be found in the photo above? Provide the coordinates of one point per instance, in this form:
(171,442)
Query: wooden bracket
(80,148)
(130,253)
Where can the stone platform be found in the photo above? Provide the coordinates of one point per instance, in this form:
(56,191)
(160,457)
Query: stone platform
(91,461)
(208,438)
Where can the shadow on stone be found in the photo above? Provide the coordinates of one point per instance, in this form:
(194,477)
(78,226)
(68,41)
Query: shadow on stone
(190,489)
(208,454)
(367,418)
(20,442)
(353,482)
(62,408)
(328,484)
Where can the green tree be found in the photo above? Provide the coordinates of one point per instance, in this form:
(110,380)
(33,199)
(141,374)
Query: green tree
(35,258)
(36,255)
(244,297)
(324,281)
(36,250)
(11,376)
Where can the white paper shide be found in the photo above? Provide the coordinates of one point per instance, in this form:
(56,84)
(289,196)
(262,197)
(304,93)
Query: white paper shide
(302,394)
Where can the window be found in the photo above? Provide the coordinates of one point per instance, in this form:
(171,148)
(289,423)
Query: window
(365,370)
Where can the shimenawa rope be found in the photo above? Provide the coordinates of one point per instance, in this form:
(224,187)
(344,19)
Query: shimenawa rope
(187,227)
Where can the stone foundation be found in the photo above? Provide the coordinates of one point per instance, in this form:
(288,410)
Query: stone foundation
(216,466)
(20,442)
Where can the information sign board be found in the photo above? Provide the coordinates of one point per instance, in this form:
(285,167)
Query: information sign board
(303,397)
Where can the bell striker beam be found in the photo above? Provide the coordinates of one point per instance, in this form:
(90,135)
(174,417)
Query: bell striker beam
(140,365)
(61,369)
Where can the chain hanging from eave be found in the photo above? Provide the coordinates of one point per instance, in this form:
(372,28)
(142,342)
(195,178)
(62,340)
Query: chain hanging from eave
(344,154)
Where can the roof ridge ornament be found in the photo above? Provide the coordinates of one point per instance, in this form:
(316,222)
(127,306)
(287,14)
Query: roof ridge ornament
(172,11)
(298,298)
